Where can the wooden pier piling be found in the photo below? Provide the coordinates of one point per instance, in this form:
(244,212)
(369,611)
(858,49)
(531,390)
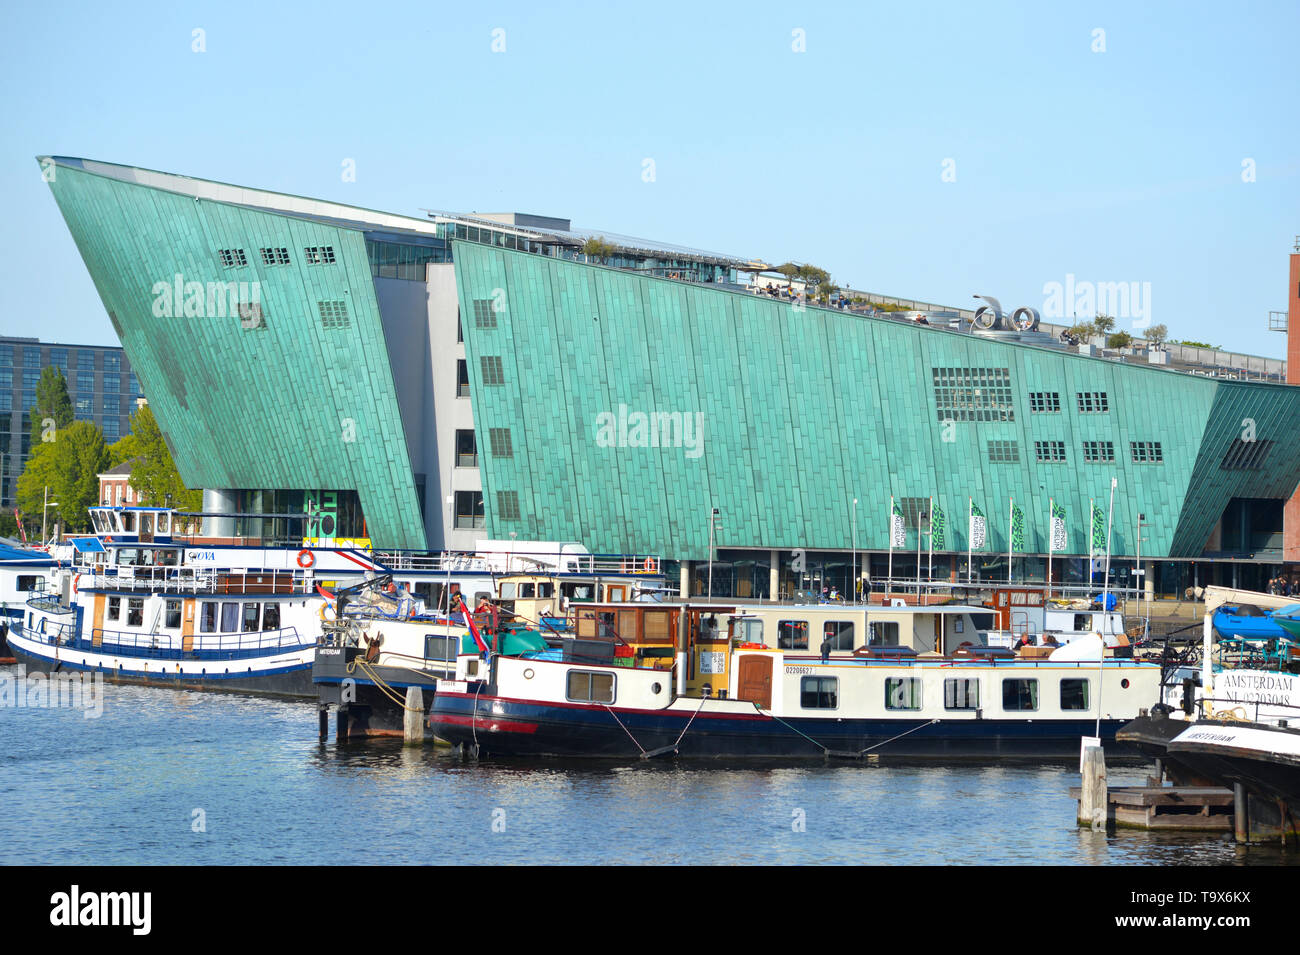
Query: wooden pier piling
(413,717)
(1092,794)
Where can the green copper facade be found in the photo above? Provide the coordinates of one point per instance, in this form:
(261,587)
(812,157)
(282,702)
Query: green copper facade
(804,410)
(303,398)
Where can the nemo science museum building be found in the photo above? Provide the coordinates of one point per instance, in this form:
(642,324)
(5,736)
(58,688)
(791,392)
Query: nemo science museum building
(428,381)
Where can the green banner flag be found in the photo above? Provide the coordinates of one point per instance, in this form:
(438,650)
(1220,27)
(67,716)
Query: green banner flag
(937,539)
(1017,528)
(1098,541)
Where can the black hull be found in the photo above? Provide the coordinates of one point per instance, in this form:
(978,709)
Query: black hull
(371,700)
(1269,775)
(294,684)
(1151,735)
(495,727)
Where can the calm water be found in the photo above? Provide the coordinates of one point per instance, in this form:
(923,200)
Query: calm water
(131,786)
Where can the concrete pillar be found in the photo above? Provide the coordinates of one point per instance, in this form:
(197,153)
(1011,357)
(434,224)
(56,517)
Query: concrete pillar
(219,501)
(684,589)
(413,716)
(1149,579)
(774,576)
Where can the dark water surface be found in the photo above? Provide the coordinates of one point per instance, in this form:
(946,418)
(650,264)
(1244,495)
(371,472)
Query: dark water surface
(133,785)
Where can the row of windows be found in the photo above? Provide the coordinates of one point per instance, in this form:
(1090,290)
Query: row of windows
(485,315)
(112,361)
(904,693)
(1044,402)
(1094,452)
(277,255)
(793,634)
(333,314)
(973,394)
(214,617)
(467,446)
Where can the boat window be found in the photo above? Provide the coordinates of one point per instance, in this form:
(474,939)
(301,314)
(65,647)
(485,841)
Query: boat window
(578,591)
(839,633)
(165,523)
(167,558)
(1019,599)
(982,621)
(208,618)
(587,623)
(127,556)
(903,693)
(748,631)
(526,591)
(27,582)
(627,626)
(961,694)
(229,617)
(656,625)
(441,648)
(819,692)
(146,524)
(1074,694)
(135,612)
(884,633)
(792,635)
(958,624)
(173,621)
(128,522)
(1035,599)
(101,526)
(588,687)
(1019,694)
(114,608)
(607,631)
(271,617)
(1083,621)
(545,590)
(251,616)
(509,591)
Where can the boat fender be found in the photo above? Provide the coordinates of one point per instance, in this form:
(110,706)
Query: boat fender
(306,559)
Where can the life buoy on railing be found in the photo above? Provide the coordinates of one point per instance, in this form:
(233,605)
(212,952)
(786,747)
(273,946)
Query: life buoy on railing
(74,582)
(329,607)
(650,565)
(306,559)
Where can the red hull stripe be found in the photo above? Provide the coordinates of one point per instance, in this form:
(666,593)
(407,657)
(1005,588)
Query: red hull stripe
(487,724)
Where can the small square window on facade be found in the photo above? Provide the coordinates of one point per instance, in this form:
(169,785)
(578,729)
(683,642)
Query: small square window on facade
(1004,452)
(493,373)
(508,505)
(333,314)
(1147,452)
(462,379)
(1052,452)
(1045,402)
(232,258)
(275,256)
(1099,452)
(484,314)
(319,254)
(499,441)
(1093,402)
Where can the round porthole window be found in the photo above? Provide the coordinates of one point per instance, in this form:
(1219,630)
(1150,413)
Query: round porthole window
(655,688)
(529,674)
(1124,684)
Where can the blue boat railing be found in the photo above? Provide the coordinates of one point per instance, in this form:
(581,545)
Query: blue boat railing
(47,603)
(197,580)
(172,646)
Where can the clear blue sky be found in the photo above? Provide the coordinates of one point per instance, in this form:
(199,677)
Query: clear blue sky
(1122,165)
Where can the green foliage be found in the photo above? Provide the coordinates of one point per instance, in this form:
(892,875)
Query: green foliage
(154,475)
(1104,324)
(69,466)
(810,275)
(53,408)
(597,249)
(1119,340)
(1157,334)
(8,524)
(1084,331)
(1193,344)
(123,449)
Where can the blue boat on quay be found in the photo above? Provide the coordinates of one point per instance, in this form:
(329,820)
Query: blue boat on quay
(715,682)
(1248,622)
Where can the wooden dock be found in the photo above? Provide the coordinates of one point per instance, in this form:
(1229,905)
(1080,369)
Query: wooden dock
(1168,808)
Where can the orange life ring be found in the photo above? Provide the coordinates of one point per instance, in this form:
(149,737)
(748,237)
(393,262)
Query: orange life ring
(74,582)
(650,565)
(306,559)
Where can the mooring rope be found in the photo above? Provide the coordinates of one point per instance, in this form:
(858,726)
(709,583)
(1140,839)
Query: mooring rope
(827,750)
(625,729)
